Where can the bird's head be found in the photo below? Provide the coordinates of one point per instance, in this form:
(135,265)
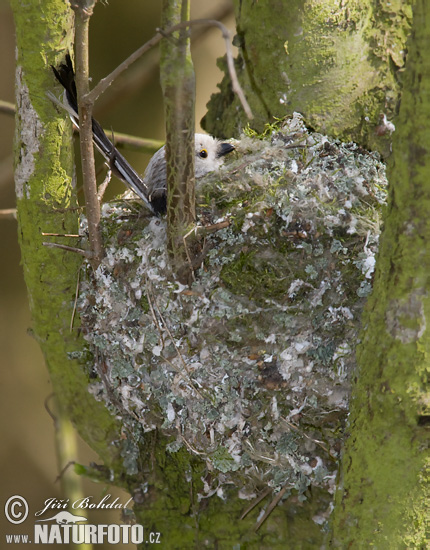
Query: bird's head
(210,154)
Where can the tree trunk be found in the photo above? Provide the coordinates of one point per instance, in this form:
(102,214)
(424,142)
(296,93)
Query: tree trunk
(46,202)
(383,498)
(336,63)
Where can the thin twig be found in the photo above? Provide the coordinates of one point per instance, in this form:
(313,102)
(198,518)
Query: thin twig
(8,213)
(257,501)
(64,470)
(72,319)
(133,143)
(198,453)
(107,81)
(142,73)
(213,228)
(83,11)
(103,186)
(85,253)
(271,506)
(48,408)
(61,235)
(316,441)
(126,141)
(7,108)
(120,140)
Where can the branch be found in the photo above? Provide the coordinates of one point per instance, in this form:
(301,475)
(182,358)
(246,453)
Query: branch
(7,108)
(8,213)
(126,141)
(83,11)
(178,84)
(133,143)
(138,77)
(85,253)
(107,81)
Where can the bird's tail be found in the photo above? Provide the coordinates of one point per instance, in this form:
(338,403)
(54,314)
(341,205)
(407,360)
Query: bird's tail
(116,162)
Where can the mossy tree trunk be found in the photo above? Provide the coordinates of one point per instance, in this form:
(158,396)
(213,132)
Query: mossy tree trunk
(46,202)
(337,63)
(384,498)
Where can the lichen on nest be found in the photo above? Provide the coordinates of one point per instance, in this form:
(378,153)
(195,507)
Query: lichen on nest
(249,367)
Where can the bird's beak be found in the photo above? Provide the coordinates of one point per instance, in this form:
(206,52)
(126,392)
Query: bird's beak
(224,149)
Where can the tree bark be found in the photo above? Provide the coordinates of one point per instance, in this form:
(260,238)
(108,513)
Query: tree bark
(336,63)
(46,202)
(383,497)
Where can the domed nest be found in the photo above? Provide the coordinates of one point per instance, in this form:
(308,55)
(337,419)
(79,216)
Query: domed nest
(249,367)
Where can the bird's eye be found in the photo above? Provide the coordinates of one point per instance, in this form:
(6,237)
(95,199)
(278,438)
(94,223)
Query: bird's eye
(203,154)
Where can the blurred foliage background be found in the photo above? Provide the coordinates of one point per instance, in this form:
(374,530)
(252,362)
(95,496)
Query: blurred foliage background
(134,106)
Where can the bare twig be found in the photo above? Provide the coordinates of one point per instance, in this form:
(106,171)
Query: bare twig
(8,213)
(72,319)
(107,81)
(316,441)
(48,408)
(85,253)
(213,228)
(143,72)
(103,186)
(257,501)
(230,62)
(83,11)
(60,235)
(133,143)
(64,470)
(126,141)
(271,507)
(7,108)
(190,447)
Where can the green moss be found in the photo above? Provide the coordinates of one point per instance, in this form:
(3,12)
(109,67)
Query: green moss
(258,279)
(46,203)
(331,64)
(387,442)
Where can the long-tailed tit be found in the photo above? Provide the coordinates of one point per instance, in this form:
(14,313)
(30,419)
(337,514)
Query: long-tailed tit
(152,187)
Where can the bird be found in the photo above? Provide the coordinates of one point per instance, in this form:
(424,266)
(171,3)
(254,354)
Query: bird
(152,188)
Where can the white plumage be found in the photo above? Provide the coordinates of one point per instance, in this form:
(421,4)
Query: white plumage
(209,153)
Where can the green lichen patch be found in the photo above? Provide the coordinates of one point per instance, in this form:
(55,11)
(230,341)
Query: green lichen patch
(248,369)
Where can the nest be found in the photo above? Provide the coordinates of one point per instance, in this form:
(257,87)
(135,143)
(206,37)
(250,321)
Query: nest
(249,368)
